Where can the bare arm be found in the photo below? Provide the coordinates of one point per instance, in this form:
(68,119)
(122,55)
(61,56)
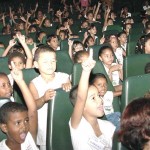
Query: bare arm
(29,100)
(97,9)
(29,60)
(82,92)
(11,44)
(40,101)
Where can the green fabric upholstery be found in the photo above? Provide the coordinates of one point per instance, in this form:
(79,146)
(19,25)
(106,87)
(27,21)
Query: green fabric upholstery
(5,39)
(134,87)
(59,113)
(131,48)
(114,27)
(1,51)
(64,62)
(28,75)
(135,65)
(4,65)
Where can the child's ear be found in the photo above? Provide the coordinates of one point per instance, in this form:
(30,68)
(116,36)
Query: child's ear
(100,58)
(3,127)
(35,64)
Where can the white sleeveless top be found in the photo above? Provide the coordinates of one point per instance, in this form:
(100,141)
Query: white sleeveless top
(42,87)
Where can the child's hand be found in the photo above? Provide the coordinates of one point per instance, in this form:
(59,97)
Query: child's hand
(12,43)
(85,35)
(89,64)
(49,94)
(44,16)
(115,68)
(21,38)
(66,86)
(70,43)
(28,15)
(16,73)
(102,40)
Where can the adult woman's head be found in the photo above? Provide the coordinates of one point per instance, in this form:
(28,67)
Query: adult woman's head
(135,125)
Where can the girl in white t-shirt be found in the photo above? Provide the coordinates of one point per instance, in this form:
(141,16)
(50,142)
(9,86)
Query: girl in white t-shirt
(100,81)
(118,51)
(113,70)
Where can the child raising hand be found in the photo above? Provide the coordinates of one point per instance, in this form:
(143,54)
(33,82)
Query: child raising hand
(18,122)
(87,131)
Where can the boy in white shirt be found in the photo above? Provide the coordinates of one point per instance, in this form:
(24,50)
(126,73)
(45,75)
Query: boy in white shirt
(18,122)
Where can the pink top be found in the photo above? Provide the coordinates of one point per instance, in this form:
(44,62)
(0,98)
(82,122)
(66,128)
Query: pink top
(84,3)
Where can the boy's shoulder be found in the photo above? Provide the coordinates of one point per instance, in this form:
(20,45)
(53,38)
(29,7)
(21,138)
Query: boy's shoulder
(27,144)
(3,145)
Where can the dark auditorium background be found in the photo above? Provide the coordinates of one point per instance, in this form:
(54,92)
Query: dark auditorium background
(134,5)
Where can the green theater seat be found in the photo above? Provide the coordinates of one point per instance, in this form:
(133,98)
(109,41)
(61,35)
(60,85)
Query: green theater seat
(59,113)
(134,87)
(135,65)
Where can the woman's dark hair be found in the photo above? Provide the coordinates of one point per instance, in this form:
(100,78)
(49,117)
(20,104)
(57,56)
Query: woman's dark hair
(134,131)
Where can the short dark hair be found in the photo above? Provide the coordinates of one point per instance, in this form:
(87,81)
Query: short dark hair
(73,94)
(103,48)
(78,55)
(16,54)
(134,131)
(95,76)
(10,107)
(42,49)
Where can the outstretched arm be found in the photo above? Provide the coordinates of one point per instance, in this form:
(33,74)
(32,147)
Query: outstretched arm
(29,100)
(82,91)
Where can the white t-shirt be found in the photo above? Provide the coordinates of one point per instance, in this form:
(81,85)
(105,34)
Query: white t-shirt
(28,144)
(115,75)
(107,102)
(84,138)
(119,55)
(146,7)
(42,87)
(11,79)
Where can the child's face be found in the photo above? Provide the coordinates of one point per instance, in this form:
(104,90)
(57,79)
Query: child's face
(114,43)
(84,25)
(5,87)
(101,85)
(94,105)
(46,63)
(17,127)
(47,23)
(107,57)
(21,26)
(91,42)
(53,43)
(147,47)
(128,27)
(90,17)
(110,22)
(62,35)
(123,38)
(78,47)
(93,30)
(19,64)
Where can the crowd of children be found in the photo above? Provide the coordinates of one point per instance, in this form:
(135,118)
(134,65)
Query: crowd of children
(34,36)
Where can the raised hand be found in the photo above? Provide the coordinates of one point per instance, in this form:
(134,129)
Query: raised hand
(12,43)
(89,64)
(16,73)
